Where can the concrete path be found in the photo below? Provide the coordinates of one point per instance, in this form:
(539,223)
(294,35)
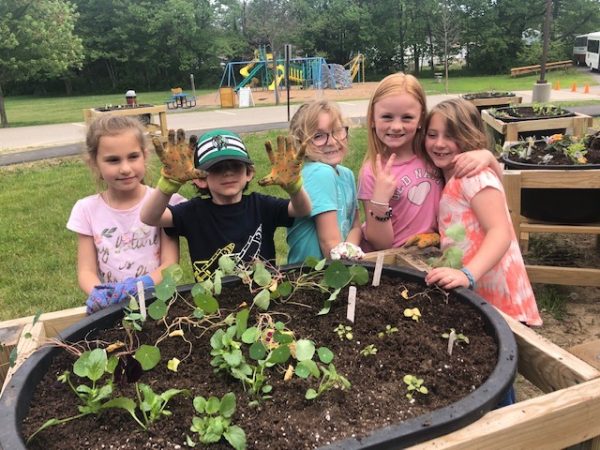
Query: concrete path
(48,141)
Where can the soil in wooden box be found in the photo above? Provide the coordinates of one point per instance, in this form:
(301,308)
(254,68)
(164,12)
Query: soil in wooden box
(376,398)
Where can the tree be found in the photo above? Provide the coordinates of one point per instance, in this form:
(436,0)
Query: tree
(37,41)
(446,32)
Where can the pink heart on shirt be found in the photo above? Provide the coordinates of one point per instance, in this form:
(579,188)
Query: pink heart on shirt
(418,194)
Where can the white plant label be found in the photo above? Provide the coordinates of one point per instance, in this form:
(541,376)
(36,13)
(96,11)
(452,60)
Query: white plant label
(142,299)
(451,340)
(378,268)
(351,303)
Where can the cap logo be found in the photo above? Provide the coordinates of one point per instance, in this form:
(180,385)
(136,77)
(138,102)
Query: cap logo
(219,142)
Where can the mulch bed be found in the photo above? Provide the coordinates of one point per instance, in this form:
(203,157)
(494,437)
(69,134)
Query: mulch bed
(376,398)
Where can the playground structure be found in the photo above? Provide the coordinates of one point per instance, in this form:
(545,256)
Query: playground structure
(313,72)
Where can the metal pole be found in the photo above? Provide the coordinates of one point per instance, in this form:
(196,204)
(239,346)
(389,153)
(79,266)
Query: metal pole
(193,86)
(288,51)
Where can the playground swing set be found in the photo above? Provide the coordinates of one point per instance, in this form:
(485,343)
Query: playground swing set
(313,72)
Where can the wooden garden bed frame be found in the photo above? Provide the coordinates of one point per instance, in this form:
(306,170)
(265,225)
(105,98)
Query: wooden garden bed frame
(493,102)
(510,130)
(566,415)
(160,110)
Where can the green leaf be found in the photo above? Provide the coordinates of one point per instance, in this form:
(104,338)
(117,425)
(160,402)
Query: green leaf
(325,309)
(174,271)
(12,358)
(257,351)
(148,356)
(236,437)
(320,264)
(456,232)
(337,275)
(212,405)
(279,355)
(199,404)
(283,338)
(306,368)
(360,275)
(198,313)
(227,407)
(207,302)
(241,322)
(226,264)
(122,403)
(217,285)
(311,262)
(285,289)
(262,299)
(234,358)
(165,289)
(91,364)
(250,335)
(311,394)
(157,310)
(262,277)
(36,317)
(325,355)
(201,288)
(305,349)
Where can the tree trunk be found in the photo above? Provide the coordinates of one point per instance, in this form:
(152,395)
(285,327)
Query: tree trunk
(417,57)
(111,73)
(3,118)
(431,48)
(68,86)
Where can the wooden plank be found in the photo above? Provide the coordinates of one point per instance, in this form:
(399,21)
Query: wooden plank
(54,322)
(563,179)
(552,421)
(588,352)
(496,101)
(549,228)
(544,363)
(9,339)
(31,337)
(568,276)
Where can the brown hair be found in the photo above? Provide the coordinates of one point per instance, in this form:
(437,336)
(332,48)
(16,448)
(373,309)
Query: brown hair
(463,124)
(305,122)
(395,84)
(110,125)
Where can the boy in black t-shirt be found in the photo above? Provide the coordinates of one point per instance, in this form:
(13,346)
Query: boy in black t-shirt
(227,222)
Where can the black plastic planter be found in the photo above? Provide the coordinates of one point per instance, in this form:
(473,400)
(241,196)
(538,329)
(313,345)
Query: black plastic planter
(16,399)
(568,206)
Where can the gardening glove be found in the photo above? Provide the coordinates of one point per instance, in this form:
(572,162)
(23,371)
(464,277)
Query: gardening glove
(178,161)
(423,240)
(346,250)
(128,287)
(99,298)
(286,165)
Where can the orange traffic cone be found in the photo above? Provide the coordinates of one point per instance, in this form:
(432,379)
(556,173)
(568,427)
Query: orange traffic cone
(574,87)
(586,89)
(557,86)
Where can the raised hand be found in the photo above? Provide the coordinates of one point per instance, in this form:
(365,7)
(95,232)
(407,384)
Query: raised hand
(423,240)
(178,157)
(286,165)
(385,180)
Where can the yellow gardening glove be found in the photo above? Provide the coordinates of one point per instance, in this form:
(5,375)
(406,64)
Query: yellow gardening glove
(423,240)
(286,165)
(178,161)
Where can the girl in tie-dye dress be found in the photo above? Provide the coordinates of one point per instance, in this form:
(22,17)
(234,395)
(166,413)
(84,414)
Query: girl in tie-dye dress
(492,262)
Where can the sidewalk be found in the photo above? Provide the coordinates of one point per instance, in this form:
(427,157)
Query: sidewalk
(48,141)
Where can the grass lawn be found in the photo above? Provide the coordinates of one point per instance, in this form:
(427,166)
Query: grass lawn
(29,110)
(38,264)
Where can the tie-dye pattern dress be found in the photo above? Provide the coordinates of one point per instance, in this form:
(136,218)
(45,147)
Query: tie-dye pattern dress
(506,285)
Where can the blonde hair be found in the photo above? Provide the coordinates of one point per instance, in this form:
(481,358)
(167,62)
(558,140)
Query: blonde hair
(395,84)
(305,122)
(463,124)
(110,125)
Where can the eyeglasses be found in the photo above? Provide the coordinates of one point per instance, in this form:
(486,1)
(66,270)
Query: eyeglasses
(321,139)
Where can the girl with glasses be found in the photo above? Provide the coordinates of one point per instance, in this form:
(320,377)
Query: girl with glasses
(333,228)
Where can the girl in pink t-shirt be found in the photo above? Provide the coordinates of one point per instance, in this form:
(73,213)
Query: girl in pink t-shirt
(492,262)
(400,194)
(115,249)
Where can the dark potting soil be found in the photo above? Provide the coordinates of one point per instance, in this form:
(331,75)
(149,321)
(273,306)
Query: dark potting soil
(376,398)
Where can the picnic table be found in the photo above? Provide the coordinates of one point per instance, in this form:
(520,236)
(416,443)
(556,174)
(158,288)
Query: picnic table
(181,100)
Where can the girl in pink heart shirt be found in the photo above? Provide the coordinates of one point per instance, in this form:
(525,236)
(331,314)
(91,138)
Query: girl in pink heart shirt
(399,191)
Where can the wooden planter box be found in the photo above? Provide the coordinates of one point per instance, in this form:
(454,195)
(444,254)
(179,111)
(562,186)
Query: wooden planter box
(565,416)
(494,102)
(152,127)
(510,131)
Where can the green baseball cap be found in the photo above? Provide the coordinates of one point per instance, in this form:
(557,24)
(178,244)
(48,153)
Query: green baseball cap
(219,145)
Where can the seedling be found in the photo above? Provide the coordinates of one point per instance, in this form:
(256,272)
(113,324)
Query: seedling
(414,385)
(413,313)
(369,350)
(453,254)
(329,380)
(389,330)
(344,332)
(459,336)
(214,422)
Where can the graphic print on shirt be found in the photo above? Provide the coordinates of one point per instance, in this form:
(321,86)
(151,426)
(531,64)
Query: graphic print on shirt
(202,268)
(343,213)
(415,187)
(111,242)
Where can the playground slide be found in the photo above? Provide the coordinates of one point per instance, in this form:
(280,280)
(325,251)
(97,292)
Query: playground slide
(245,71)
(280,77)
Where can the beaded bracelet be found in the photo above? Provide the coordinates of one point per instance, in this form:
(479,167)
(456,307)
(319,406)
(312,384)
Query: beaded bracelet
(379,203)
(387,216)
(470,277)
